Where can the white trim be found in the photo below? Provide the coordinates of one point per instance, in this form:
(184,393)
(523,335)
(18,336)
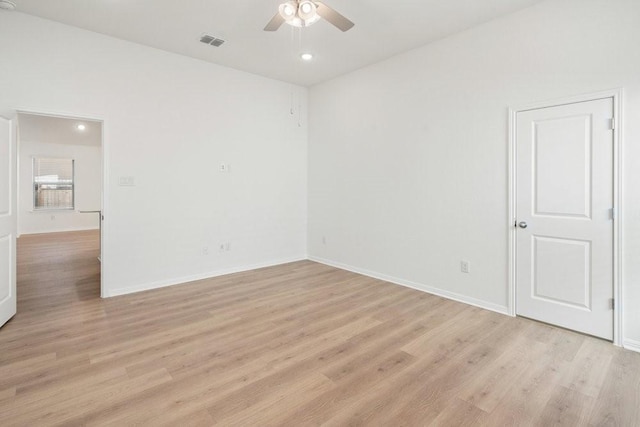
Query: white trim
(618,235)
(57,114)
(16,184)
(632,345)
(592,96)
(104,236)
(511,215)
(104,225)
(414,285)
(618,294)
(208,275)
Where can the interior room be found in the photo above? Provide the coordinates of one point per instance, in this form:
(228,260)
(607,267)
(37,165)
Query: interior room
(320,213)
(59,199)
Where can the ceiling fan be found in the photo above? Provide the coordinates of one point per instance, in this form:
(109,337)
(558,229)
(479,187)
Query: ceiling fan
(302,13)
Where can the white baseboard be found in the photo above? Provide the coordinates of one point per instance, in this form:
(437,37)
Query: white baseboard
(185,279)
(62,230)
(628,344)
(632,345)
(417,286)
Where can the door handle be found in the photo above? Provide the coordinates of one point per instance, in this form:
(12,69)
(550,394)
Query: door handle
(522,224)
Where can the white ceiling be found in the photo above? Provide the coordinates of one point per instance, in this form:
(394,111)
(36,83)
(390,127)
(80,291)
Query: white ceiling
(383,29)
(57,130)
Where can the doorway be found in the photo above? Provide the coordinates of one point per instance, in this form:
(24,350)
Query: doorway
(564,211)
(59,210)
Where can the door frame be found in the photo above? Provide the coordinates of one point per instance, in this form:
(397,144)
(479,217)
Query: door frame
(104,235)
(616,95)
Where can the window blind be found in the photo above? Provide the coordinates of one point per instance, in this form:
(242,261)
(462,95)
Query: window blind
(53,183)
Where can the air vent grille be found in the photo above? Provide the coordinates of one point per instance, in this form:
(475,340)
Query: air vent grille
(210,40)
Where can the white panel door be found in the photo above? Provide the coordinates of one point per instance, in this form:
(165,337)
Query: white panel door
(7,221)
(564,243)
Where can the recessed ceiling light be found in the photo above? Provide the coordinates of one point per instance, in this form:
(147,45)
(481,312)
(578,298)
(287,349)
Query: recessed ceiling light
(81,127)
(306,56)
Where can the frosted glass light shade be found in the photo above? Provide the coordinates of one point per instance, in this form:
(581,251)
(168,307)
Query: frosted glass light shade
(300,14)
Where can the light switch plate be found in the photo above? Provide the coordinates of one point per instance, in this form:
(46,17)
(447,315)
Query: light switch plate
(126,181)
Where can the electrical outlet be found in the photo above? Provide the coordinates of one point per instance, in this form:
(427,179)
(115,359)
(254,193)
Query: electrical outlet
(205,250)
(221,247)
(224,167)
(465,266)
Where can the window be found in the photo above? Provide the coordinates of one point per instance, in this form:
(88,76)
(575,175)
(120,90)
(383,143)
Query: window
(53,185)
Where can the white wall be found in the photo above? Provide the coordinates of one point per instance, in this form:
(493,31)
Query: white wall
(168,122)
(88,188)
(407,161)
(408,157)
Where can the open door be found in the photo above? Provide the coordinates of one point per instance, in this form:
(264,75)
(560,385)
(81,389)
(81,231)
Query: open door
(7,220)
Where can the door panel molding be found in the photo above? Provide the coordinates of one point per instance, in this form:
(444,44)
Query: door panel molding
(581,208)
(542,294)
(618,291)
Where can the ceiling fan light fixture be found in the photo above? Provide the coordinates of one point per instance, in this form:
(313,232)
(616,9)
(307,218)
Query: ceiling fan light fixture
(312,20)
(302,13)
(288,10)
(307,10)
(299,14)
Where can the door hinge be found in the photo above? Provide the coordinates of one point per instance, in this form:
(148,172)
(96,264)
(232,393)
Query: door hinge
(612,302)
(612,123)
(614,213)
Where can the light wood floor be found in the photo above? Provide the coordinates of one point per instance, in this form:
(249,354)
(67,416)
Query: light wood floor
(294,345)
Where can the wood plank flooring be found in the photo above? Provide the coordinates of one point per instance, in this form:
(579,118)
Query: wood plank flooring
(293,345)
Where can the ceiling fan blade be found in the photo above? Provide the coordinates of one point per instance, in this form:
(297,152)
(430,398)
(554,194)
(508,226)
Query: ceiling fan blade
(333,17)
(275,23)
